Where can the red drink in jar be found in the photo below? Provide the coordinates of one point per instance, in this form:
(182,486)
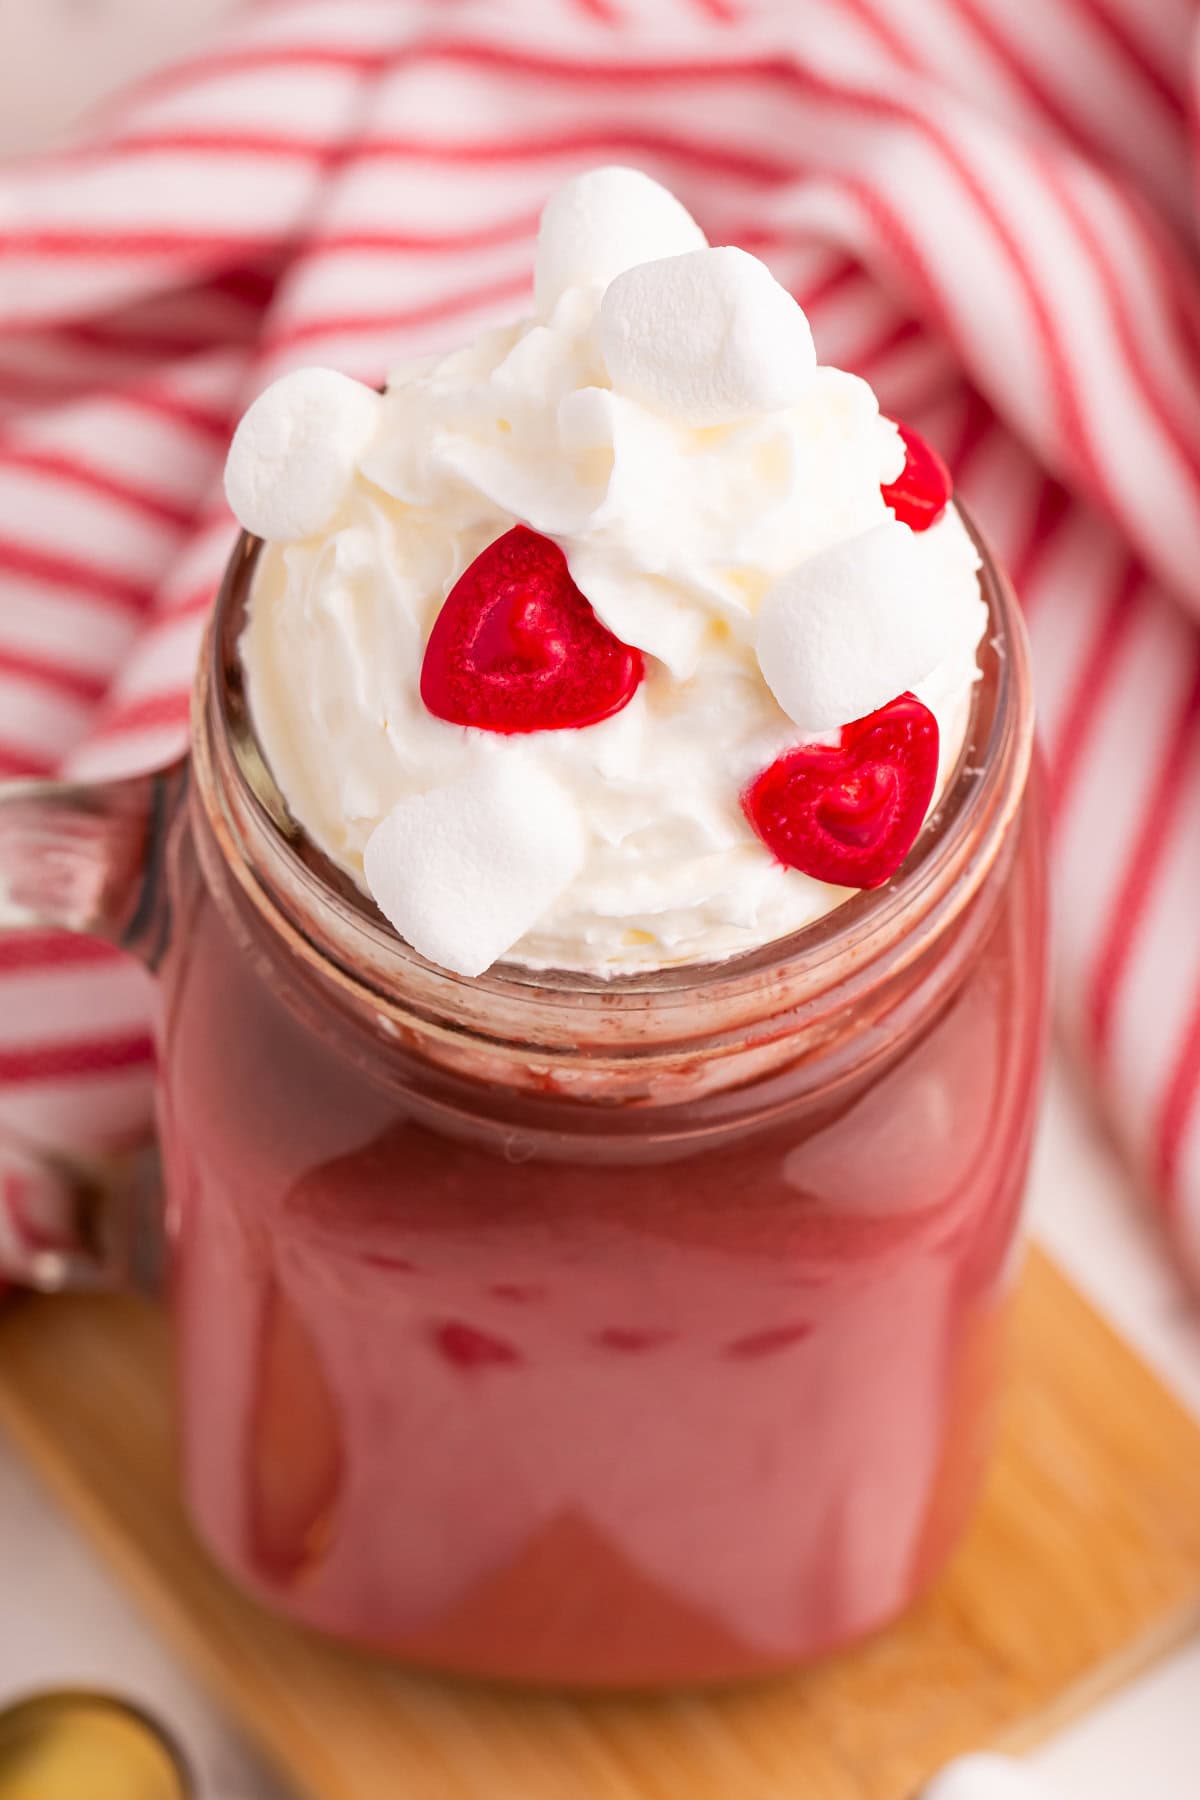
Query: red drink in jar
(599,1332)
(539,1318)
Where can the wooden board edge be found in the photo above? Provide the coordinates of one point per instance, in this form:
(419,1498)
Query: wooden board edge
(1134,1660)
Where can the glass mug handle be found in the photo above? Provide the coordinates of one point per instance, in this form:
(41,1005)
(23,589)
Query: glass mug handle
(87,858)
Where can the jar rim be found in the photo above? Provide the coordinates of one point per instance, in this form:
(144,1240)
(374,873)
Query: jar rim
(280,867)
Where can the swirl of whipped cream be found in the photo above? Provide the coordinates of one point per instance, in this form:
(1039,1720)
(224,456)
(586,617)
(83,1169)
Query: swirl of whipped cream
(676,533)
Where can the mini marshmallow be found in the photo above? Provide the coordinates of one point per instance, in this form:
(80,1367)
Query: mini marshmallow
(706,337)
(851,628)
(601,223)
(294,454)
(986,1777)
(464,871)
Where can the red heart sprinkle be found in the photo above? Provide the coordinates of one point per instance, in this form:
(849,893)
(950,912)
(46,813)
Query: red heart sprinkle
(516,647)
(849,813)
(920,492)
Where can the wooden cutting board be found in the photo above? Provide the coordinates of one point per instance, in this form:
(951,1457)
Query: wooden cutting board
(1083,1563)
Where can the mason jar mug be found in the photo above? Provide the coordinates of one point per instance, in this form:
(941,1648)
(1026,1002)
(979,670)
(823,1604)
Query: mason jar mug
(541,1326)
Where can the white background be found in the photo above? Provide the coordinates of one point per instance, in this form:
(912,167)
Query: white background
(64,1620)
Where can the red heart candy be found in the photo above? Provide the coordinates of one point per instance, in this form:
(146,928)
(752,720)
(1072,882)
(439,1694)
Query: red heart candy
(516,647)
(849,813)
(920,492)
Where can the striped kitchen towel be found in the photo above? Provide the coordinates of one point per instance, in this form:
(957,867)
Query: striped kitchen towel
(987,209)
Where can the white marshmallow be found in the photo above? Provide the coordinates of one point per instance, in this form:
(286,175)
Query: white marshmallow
(463,871)
(855,625)
(987,1777)
(601,223)
(706,337)
(294,454)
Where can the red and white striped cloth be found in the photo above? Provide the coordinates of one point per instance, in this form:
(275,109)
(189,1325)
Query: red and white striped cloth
(987,209)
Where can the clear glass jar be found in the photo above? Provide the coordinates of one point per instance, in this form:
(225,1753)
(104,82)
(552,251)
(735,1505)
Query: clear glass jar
(595,1332)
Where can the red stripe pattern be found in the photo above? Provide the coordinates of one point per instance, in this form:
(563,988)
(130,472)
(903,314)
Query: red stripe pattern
(987,209)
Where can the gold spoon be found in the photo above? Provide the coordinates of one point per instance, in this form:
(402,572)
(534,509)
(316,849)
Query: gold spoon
(70,1742)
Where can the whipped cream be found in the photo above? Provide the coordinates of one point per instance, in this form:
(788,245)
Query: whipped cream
(680,535)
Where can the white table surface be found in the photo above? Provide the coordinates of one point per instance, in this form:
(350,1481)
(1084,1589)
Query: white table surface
(63,1619)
